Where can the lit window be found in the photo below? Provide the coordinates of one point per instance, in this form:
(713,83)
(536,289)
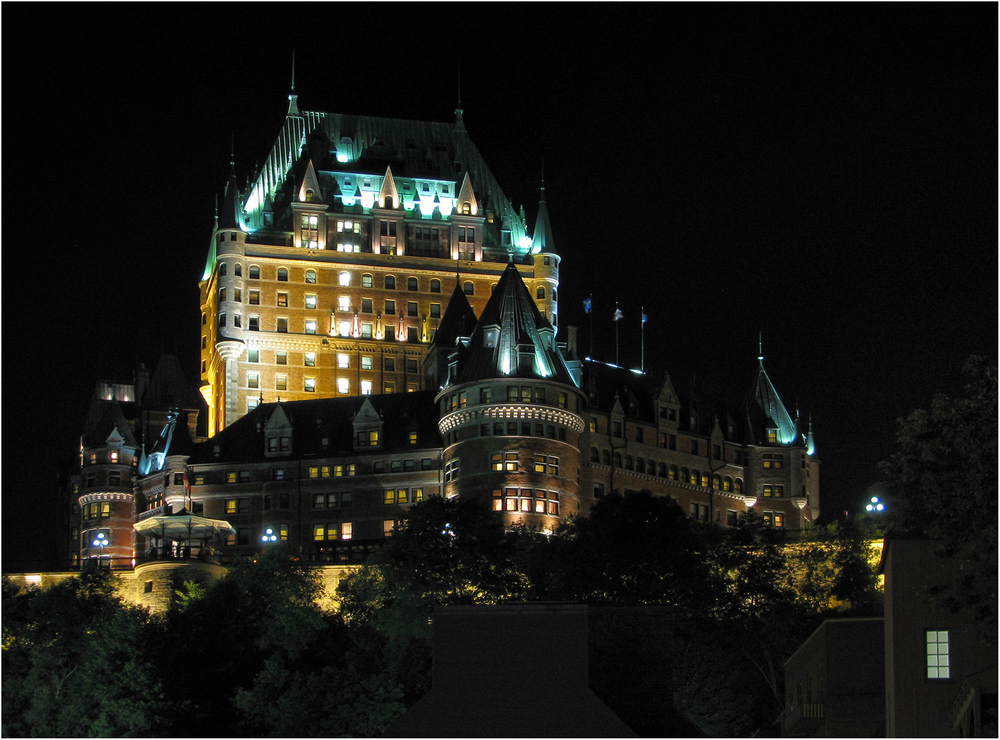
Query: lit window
(344,303)
(366,281)
(366,387)
(346,531)
(344,328)
(253,380)
(366,362)
(311,301)
(310,385)
(343,386)
(282,299)
(310,327)
(309,359)
(343,360)
(311,277)
(938,654)
(281,382)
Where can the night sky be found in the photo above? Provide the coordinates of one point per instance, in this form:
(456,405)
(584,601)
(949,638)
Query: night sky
(822,175)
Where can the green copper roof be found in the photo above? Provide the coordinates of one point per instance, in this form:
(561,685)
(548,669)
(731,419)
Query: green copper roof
(512,338)
(541,240)
(766,411)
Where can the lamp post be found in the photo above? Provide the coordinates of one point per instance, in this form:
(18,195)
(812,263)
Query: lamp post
(101,541)
(269,536)
(875,505)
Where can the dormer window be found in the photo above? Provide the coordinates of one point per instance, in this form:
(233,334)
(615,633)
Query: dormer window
(310,196)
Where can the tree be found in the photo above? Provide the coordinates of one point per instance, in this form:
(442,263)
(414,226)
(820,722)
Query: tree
(77,662)
(942,485)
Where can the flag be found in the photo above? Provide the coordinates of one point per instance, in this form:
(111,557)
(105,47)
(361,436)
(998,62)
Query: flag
(645,318)
(618,314)
(587,305)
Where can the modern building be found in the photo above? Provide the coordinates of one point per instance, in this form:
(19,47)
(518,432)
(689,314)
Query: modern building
(379,325)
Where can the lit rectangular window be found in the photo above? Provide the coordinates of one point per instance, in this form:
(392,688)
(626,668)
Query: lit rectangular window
(310,327)
(366,387)
(309,359)
(343,360)
(309,385)
(311,301)
(938,654)
(346,531)
(280,382)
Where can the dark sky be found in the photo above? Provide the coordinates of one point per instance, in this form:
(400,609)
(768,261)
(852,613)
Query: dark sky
(823,175)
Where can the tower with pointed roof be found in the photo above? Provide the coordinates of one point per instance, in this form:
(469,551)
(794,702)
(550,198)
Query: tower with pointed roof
(328,275)
(511,413)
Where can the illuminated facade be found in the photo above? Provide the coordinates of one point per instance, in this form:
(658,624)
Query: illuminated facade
(327,276)
(378,327)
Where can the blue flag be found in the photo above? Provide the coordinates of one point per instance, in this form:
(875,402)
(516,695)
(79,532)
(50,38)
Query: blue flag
(645,318)
(618,314)
(587,305)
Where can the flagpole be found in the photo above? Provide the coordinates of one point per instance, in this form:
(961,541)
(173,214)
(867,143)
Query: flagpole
(616,333)
(591,312)
(642,339)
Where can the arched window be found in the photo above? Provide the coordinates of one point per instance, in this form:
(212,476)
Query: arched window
(366,280)
(650,467)
(390,282)
(704,480)
(727,484)
(310,196)
(311,277)
(222,269)
(618,459)
(663,470)
(540,294)
(238,270)
(344,278)
(594,455)
(283,274)
(738,485)
(435,286)
(555,295)
(468,288)
(605,457)
(716,482)
(640,465)
(628,462)
(466,208)
(685,474)
(411,283)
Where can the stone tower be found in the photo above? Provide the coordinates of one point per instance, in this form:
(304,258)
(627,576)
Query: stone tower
(511,413)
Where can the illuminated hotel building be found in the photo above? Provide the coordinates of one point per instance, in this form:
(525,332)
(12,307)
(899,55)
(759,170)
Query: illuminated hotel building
(378,326)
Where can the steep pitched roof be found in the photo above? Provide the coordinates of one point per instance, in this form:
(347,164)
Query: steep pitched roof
(512,338)
(104,418)
(458,321)
(329,419)
(764,410)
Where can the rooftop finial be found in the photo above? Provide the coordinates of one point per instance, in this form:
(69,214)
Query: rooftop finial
(459,123)
(760,346)
(293,97)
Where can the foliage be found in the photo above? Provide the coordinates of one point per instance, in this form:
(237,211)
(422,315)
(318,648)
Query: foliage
(636,549)
(836,568)
(75,662)
(942,483)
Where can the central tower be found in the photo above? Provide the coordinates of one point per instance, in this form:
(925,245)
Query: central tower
(325,277)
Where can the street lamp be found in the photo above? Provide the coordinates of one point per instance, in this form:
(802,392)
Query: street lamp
(101,541)
(875,505)
(268,536)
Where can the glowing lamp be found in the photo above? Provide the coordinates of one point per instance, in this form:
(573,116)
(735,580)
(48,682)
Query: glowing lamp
(269,536)
(875,505)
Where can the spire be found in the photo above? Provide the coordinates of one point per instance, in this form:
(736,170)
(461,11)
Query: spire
(768,418)
(541,240)
(231,216)
(512,338)
(293,97)
(459,123)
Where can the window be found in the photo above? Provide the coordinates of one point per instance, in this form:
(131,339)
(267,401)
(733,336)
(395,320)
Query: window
(468,288)
(411,308)
(344,279)
(540,294)
(281,382)
(311,277)
(366,280)
(253,380)
(344,303)
(282,299)
(389,364)
(343,386)
(435,286)
(366,305)
(310,327)
(311,301)
(282,325)
(343,360)
(451,470)
(309,359)
(283,274)
(254,272)
(309,385)
(390,307)
(938,654)
(411,283)
(280,357)
(390,282)
(253,323)
(435,310)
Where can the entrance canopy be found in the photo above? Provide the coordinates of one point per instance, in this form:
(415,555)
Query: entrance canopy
(182,527)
